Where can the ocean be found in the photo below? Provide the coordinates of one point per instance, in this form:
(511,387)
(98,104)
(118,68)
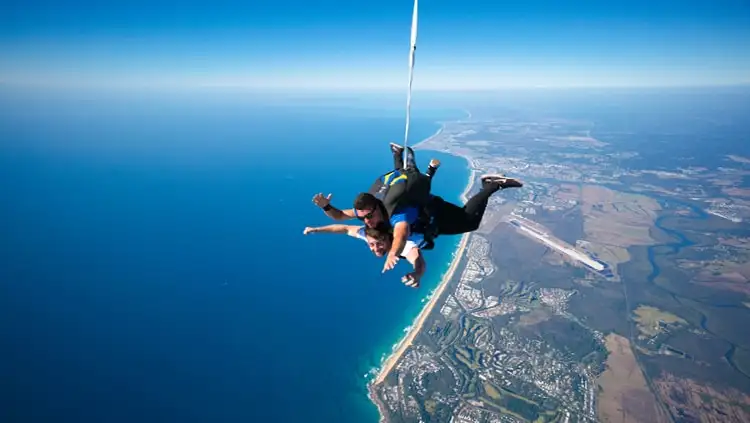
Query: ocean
(154,267)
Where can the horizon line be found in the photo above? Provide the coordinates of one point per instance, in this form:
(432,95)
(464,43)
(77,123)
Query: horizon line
(355,89)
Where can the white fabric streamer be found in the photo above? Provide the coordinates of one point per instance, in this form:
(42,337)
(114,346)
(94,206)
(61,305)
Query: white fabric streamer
(412,50)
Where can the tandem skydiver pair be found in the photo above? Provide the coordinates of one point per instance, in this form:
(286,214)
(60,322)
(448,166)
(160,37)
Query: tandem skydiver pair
(401,217)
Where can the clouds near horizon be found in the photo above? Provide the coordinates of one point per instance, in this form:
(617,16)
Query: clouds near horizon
(364,45)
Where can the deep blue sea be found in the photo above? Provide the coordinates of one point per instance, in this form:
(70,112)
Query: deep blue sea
(153,267)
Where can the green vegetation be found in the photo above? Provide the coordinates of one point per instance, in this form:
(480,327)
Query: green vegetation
(567,335)
(507,402)
(727,323)
(493,392)
(652,321)
(741,359)
(437,411)
(444,335)
(430,406)
(705,348)
(468,356)
(552,416)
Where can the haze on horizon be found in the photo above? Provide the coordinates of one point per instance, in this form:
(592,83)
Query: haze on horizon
(364,45)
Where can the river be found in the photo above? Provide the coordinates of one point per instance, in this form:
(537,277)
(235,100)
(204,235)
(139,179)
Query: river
(673,248)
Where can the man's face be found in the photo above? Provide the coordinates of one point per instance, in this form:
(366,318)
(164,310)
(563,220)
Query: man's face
(378,246)
(371,217)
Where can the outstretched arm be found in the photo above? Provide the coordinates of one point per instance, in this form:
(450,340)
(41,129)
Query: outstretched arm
(400,233)
(350,230)
(330,211)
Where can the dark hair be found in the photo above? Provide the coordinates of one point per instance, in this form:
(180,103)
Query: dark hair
(381,233)
(365,200)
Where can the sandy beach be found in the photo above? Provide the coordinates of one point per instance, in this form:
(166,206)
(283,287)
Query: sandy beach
(417,325)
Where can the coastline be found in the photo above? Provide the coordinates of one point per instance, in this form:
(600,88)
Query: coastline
(416,326)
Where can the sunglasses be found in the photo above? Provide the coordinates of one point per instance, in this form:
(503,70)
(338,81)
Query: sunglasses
(367,216)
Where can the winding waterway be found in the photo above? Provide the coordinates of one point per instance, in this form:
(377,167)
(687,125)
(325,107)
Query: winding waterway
(673,248)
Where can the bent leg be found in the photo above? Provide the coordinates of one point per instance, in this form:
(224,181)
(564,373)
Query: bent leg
(452,219)
(411,159)
(419,187)
(398,156)
(476,206)
(433,167)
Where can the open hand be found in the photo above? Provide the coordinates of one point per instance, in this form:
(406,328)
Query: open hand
(321,201)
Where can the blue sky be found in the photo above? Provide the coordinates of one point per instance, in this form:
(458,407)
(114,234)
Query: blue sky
(467,44)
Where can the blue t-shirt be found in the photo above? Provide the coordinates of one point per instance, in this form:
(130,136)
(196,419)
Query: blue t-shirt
(407,214)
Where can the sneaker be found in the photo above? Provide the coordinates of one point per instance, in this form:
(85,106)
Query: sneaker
(396,148)
(433,167)
(501,180)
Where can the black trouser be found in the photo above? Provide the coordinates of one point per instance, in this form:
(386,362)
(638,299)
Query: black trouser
(451,219)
